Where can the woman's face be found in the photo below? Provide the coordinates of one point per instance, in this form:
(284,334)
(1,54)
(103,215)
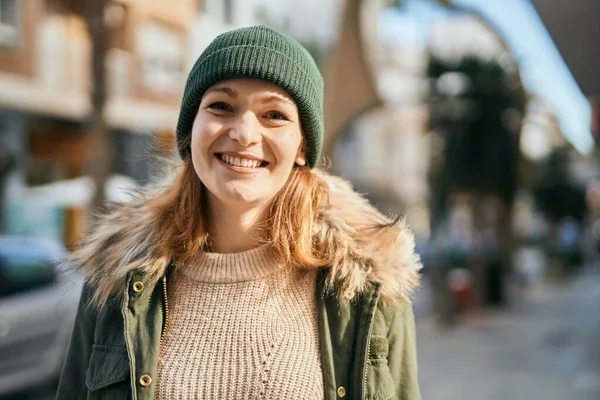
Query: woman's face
(245,140)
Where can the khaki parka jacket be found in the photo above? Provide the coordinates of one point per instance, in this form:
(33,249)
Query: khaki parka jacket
(366,321)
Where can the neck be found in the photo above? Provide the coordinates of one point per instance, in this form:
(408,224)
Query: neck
(234,231)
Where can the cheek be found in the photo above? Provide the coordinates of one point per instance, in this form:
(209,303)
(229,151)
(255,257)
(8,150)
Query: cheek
(204,133)
(285,147)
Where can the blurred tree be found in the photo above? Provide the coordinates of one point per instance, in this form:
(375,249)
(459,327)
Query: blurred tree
(476,107)
(93,12)
(556,194)
(563,201)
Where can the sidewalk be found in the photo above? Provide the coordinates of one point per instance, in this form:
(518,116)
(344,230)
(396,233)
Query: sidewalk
(546,347)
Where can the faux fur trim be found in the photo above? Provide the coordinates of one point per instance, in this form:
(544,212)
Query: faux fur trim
(366,247)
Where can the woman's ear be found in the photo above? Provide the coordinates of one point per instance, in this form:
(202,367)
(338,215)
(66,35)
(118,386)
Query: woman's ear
(301,156)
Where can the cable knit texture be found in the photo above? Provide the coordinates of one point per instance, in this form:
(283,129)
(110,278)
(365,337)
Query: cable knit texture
(241,326)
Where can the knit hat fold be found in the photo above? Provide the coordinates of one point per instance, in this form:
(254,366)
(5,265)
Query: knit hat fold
(262,53)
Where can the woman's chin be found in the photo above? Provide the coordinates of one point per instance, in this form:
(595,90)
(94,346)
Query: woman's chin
(240,194)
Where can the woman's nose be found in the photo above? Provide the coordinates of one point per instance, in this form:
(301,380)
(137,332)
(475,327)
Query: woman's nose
(246,130)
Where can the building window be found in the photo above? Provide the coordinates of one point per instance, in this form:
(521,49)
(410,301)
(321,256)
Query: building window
(10,14)
(161,50)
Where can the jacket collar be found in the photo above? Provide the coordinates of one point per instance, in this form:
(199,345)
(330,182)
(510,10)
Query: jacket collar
(368,248)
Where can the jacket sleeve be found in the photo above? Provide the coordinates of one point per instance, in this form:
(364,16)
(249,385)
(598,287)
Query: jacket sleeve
(72,380)
(402,357)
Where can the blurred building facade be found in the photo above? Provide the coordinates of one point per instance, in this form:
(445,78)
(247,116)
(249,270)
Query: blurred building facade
(45,72)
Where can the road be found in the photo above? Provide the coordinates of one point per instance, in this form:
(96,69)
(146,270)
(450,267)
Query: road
(545,347)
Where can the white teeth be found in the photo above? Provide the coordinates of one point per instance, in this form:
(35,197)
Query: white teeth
(240,162)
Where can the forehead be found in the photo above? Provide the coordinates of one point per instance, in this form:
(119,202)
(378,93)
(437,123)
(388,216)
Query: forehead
(250,87)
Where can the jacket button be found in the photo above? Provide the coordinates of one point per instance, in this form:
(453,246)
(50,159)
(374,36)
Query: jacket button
(341,392)
(138,287)
(145,380)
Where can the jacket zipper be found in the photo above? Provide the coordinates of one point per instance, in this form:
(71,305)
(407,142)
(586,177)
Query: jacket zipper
(165,308)
(364,391)
(366,360)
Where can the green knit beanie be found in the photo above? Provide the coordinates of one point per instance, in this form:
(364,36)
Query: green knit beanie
(258,52)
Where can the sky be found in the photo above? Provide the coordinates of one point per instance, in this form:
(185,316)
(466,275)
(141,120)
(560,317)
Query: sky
(543,70)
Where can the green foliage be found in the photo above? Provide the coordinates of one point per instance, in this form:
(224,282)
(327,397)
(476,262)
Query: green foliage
(476,106)
(556,194)
(492,89)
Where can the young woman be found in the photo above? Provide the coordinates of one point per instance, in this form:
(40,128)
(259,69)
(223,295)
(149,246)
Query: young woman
(249,275)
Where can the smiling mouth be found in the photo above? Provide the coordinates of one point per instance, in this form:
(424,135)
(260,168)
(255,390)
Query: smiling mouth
(241,162)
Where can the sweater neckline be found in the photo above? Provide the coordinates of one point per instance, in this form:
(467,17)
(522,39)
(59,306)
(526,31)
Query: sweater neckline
(244,266)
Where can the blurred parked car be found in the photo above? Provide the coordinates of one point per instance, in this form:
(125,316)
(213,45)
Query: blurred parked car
(38,303)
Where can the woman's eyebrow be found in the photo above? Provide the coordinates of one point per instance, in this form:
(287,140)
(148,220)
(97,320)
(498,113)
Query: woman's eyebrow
(224,89)
(277,98)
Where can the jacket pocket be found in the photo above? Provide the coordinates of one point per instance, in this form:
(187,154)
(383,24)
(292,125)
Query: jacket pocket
(107,376)
(380,385)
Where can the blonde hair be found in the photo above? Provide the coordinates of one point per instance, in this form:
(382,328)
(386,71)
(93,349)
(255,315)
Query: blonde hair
(179,213)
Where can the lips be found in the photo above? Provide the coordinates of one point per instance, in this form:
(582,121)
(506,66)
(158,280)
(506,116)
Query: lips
(241,161)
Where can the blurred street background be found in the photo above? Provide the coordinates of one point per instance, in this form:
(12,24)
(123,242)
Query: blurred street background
(477,120)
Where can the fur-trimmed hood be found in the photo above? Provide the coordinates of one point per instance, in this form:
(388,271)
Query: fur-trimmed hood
(366,247)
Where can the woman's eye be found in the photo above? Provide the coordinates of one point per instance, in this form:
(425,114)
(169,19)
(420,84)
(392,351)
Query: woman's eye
(220,106)
(276,115)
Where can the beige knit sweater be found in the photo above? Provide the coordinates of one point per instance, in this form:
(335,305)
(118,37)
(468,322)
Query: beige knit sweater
(241,327)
